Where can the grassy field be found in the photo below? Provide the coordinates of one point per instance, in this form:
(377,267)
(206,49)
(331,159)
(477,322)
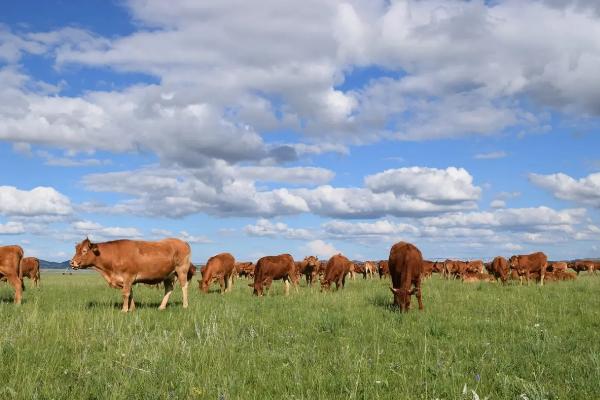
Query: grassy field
(69,340)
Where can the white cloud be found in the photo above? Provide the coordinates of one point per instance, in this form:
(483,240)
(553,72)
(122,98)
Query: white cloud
(369,229)
(498,203)
(266,228)
(584,190)
(97,232)
(320,249)
(40,201)
(12,228)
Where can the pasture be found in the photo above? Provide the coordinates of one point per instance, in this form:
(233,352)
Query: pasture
(70,340)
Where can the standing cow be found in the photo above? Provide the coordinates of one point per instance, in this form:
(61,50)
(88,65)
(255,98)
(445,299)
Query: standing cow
(406,265)
(499,268)
(218,268)
(309,267)
(272,268)
(337,268)
(582,265)
(30,267)
(10,268)
(526,265)
(383,269)
(124,263)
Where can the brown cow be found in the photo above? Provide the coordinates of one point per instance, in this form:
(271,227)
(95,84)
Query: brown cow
(427,268)
(582,265)
(30,267)
(245,269)
(528,264)
(454,268)
(474,267)
(557,266)
(499,268)
(405,265)
(556,276)
(370,268)
(272,268)
(124,263)
(218,268)
(10,268)
(309,267)
(338,267)
(383,269)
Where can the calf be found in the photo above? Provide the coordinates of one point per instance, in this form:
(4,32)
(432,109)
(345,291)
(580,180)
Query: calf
(406,267)
(218,268)
(337,268)
(272,268)
(582,265)
(383,269)
(557,266)
(30,267)
(470,277)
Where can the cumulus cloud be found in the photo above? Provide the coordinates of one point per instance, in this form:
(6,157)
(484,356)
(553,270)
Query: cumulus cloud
(266,228)
(12,228)
(40,201)
(378,228)
(320,249)
(584,190)
(96,231)
(232,191)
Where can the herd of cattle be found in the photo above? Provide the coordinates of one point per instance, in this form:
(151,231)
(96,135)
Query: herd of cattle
(124,263)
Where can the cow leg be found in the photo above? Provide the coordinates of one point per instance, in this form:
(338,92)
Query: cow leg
(222,284)
(17,284)
(419,299)
(542,274)
(184,288)
(168,290)
(287,286)
(127,295)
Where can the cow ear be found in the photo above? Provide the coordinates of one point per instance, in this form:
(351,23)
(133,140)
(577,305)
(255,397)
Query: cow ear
(94,249)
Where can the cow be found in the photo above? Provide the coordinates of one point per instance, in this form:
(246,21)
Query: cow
(358,268)
(454,268)
(499,268)
(10,269)
(438,267)
(309,267)
(370,268)
(123,263)
(525,265)
(427,268)
(474,267)
(406,267)
(272,268)
(218,268)
(557,266)
(555,276)
(383,269)
(582,265)
(470,277)
(30,267)
(338,267)
(245,269)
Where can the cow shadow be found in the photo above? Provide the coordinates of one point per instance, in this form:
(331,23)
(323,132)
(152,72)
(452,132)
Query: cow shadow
(119,304)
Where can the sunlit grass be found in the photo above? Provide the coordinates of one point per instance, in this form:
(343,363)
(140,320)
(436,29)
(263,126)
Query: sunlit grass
(70,340)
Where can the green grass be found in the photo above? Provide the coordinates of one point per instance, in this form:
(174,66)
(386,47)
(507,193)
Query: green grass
(70,340)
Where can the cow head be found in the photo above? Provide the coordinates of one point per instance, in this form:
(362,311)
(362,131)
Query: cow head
(401,298)
(312,262)
(85,255)
(513,262)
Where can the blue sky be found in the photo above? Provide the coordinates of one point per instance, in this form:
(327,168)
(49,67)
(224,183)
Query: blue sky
(302,128)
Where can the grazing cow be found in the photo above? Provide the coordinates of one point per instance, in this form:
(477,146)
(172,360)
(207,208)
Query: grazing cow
(358,268)
(528,264)
(338,267)
(245,269)
(427,269)
(557,266)
(405,266)
(218,268)
(471,277)
(124,263)
(383,268)
(499,268)
(272,268)
(555,276)
(10,268)
(582,265)
(309,267)
(30,267)
(438,267)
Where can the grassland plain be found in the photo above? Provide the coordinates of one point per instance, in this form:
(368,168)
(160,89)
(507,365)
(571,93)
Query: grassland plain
(69,340)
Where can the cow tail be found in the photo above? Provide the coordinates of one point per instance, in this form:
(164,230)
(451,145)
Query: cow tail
(20,273)
(191,272)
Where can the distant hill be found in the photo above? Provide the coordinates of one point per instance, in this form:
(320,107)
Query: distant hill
(53,265)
